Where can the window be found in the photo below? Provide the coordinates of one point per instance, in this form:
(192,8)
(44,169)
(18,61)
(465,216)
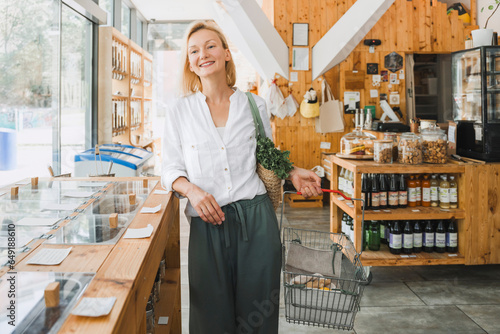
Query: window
(125,20)
(44,94)
(139,32)
(108,6)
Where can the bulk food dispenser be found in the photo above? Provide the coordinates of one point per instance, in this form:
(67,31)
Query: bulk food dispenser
(476,102)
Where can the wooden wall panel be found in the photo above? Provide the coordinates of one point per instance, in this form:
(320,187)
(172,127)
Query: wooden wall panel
(415,26)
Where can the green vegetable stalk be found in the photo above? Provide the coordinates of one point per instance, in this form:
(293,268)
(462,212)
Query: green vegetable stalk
(273,159)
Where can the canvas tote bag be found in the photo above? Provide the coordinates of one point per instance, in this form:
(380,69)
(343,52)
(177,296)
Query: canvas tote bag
(331,117)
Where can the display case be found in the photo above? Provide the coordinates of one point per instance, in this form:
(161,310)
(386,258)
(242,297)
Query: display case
(476,102)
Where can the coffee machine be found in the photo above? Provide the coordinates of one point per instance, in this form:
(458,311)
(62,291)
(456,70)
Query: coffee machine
(476,102)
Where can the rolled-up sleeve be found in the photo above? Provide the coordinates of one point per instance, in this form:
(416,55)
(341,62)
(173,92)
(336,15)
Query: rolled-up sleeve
(173,165)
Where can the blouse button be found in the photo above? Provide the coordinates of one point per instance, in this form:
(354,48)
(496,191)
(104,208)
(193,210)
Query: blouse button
(222,148)
(225,169)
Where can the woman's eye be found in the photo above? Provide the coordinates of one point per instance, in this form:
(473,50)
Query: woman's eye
(211,46)
(194,51)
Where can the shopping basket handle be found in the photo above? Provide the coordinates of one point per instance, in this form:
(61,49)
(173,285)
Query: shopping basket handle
(331,191)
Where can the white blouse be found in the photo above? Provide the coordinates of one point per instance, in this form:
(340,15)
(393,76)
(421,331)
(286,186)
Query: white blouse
(224,166)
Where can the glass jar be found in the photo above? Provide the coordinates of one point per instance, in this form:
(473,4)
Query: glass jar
(410,149)
(357,142)
(394,137)
(434,145)
(383,151)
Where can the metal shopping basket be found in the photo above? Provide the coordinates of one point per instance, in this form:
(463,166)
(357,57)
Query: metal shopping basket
(323,277)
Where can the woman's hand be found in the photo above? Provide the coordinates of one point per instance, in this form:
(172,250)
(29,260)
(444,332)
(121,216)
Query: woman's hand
(306,181)
(204,203)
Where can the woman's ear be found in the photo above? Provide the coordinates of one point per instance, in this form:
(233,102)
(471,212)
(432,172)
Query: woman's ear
(228,55)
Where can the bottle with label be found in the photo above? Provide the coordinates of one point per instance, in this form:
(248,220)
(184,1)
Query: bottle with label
(344,223)
(412,191)
(428,238)
(434,190)
(383,239)
(383,191)
(417,237)
(350,184)
(444,192)
(453,192)
(393,194)
(342,179)
(395,243)
(350,227)
(374,244)
(407,238)
(418,185)
(426,191)
(375,193)
(367,233)
(403,192)
(452,237)
(365,190)
(440,245)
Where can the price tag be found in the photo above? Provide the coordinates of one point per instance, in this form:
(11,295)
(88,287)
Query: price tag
(451,255)
(405,256)
(416,210)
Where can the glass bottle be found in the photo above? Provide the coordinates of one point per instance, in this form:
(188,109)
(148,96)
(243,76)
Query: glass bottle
(344,223)
(350,184)
(440,245)
(444,192)
(403,192)
(408,238)
(383,187)
(383,239)
(434,190)
(452,237)
(367,233)
(417,237)
(365,190)
(393,194)
(375,193)
(453,192)
(418,186)
(426,191)
(374,244)
(342,179)
(412,191)
(396,238)
(428,238)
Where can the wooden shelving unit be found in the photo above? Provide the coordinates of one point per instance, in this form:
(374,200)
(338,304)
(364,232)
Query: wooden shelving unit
(353,209)
(130,86)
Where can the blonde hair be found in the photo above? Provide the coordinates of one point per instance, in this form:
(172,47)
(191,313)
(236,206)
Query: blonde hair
(190,82)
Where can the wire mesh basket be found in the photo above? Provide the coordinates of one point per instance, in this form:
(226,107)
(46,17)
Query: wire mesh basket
(323,278)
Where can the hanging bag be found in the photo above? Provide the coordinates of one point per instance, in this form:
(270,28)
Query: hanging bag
(309,108)
(331,118)
(271,181)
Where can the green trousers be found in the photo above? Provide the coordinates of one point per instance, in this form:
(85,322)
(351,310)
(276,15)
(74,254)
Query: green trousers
(234,271)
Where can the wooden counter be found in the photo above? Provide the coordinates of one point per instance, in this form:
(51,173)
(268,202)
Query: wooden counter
(127,271)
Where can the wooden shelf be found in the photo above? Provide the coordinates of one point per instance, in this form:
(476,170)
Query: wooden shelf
(363,166)
(384,257)
(169,299)
(424,213)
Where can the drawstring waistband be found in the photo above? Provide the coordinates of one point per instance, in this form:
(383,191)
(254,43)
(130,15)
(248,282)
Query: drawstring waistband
(240,215)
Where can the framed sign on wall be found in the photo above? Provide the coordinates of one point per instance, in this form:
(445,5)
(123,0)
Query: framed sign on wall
(301,34)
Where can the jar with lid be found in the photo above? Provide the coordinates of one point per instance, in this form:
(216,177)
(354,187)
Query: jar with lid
(410,149)
(383,151)
(434,145)
(394,137)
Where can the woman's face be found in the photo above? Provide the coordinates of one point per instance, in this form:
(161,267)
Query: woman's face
(206,54)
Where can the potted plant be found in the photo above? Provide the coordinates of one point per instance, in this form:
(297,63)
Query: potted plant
(484,36)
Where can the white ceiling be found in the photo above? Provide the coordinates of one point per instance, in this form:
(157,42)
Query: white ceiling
(177,10)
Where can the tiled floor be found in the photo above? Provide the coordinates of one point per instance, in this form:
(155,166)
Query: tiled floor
(426,299)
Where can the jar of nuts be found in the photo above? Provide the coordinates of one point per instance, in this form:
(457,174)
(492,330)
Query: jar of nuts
(434,145)
(394,137)
(410,149)
(383,151)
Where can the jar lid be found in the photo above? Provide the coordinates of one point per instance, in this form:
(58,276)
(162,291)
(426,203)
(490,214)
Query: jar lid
(383,141)
(410,135)
(390,134)
(432,129)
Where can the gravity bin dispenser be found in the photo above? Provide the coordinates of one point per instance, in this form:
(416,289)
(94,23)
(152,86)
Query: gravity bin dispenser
(476,102)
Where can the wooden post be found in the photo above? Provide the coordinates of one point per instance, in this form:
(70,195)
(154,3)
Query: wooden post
(145,183)
(34,181)
(52,294)
(113,220)
(14,192)
(132,199)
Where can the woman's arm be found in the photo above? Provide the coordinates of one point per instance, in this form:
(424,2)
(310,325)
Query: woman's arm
(203,202)
(305,181)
